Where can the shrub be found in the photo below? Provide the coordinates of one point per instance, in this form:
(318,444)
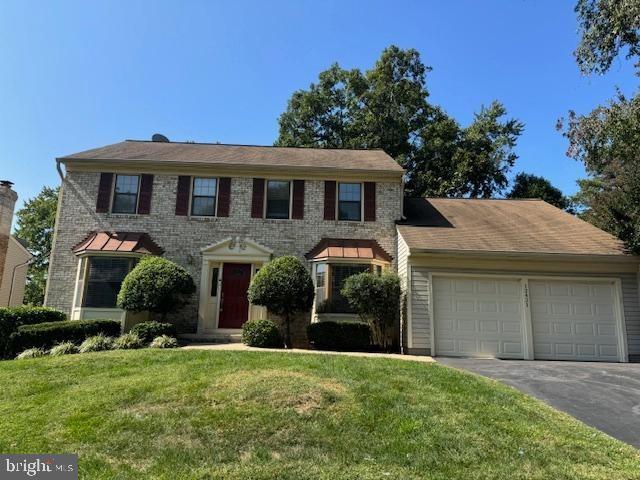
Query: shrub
(64,348)
(164,341)
(261,333)
(13,317)
(97,343)
(46,335)
(127,341)
(339,335)
(285,287)
(31,353)
(147,331)
(377,301)
(156,285)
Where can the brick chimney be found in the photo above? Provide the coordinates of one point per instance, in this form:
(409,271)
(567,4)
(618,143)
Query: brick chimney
(7,201)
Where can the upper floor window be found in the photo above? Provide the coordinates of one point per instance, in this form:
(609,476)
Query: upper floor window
(203,199)
(278,199)
(350,201)
(125,194)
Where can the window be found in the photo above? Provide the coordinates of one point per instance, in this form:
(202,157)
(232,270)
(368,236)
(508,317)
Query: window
(278,193)
(104,280)
(321,275)
(349,201)
(203,199)
(215,273)
(339,273)
(125,196)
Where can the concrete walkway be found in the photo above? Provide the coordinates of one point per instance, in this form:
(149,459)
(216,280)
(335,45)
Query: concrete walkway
(241,347)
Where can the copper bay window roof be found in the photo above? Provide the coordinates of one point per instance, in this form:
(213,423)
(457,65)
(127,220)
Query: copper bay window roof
(118,242)
(349,249)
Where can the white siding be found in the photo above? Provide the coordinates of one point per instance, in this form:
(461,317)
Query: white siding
(420,321)
(631,303)
(14,271)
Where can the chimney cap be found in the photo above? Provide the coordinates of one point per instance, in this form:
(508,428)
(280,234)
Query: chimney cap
(6,183)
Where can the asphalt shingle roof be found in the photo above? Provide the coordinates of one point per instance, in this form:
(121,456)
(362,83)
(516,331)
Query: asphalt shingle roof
(515,226)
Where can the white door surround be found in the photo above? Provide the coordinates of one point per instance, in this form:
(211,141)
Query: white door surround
(229,250)
(613,283)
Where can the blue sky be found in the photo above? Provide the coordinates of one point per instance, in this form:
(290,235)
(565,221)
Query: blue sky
(77,75)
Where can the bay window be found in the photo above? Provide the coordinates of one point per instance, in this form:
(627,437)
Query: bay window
(103,278)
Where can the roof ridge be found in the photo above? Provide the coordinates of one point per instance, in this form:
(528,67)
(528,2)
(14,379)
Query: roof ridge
(255,146)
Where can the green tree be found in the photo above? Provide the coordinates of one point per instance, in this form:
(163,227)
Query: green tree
(285,288)
(386,107)
(526,185)
(607,141)
(606,27)
(35,222)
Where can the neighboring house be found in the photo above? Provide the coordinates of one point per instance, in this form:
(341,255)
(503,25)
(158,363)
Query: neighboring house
(8,199)
(14,277)
(505,278)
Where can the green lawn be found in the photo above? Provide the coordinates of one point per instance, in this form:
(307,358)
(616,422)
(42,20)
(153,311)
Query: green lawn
(247,415)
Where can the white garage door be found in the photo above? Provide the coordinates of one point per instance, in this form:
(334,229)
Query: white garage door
(573,321)
(478,317)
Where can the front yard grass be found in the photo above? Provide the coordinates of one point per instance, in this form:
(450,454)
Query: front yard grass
(248,415)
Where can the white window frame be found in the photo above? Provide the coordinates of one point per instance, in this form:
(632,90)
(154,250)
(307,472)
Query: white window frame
(266,195)
(215,213)
(361,202)
(113,192)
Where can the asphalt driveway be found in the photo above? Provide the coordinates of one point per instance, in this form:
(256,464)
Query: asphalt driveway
(603,395)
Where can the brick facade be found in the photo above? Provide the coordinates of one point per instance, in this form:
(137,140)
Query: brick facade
(183,237)
(7,202)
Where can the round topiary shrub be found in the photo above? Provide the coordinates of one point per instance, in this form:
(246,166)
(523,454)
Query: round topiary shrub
(156,285)
(262,334)
(64,348)
(147,331)
(32,353)
(164,341)
(285,288)
(127,341)
(97,343)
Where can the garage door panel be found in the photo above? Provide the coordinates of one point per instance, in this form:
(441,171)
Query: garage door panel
(573,320)
(485,320)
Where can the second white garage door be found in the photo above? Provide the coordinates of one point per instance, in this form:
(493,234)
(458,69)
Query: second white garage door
(573,320)
(478,317)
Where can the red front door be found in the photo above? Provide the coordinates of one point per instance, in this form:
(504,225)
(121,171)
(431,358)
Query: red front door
(234,305)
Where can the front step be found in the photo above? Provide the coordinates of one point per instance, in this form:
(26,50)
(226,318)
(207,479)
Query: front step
(212,337)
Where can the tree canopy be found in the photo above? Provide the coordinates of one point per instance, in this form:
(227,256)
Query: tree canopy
(526,185)
(606,28)
(386,107)
(35,222)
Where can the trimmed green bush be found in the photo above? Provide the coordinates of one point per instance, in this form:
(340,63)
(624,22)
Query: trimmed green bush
(13,317)
(164,341)
(64,348)
(147,331)
(97,343)
(285,288)
(127,341)
(377,301)
(46,335)
(262,334)
(31,353)
(352,336)
(156,285)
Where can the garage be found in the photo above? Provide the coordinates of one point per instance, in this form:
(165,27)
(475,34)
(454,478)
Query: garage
(478,317)
(515,279)
(574,320)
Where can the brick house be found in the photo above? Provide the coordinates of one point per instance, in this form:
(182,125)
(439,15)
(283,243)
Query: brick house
(498,278)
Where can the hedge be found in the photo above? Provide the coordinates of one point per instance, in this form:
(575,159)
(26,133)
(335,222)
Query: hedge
(339,335)
(261,333)
(46,335)
(13,317)
(147,331)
